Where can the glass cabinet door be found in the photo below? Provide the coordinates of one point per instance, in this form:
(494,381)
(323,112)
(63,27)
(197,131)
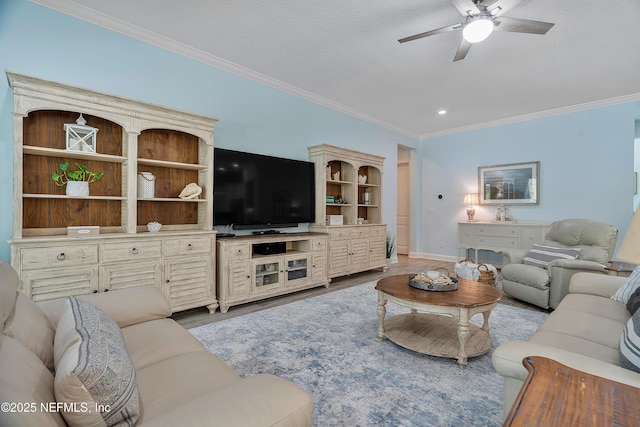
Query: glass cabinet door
(267,272)
(297,269)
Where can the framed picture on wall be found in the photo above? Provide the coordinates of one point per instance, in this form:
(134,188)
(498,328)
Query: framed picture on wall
(512,184)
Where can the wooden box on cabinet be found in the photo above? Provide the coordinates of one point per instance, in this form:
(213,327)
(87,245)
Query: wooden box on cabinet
(133,136)
(245,275)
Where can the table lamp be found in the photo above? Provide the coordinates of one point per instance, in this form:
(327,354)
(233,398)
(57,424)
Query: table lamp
(471,199)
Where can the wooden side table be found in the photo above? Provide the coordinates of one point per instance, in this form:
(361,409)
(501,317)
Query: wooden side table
(617,268)
(556,395)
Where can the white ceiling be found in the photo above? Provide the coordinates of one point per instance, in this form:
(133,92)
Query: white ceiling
(345,54)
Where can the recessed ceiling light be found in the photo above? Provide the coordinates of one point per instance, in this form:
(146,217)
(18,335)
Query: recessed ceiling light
(442,112)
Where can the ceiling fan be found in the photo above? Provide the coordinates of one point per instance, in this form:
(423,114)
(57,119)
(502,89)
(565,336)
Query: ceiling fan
(481,18)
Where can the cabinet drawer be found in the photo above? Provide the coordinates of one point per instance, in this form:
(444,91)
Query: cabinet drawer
(238,252)
(498,242)
(341,234)
(187,246)
(378,231)
(59,256)
(319,244)
(131,251)
(359,233)
(497,230)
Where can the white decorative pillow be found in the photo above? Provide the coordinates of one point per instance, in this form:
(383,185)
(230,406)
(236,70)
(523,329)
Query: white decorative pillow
(94,373)
(628,287)
(630,344)
(541,256)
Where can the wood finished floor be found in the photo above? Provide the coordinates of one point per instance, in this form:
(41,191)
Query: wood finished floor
(405,265)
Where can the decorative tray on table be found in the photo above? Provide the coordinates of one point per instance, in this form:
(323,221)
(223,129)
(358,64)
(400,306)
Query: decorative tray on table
(433,281)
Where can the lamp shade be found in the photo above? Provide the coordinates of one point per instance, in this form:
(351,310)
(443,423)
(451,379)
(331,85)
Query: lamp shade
(630,247)
(477,29)
(471,199)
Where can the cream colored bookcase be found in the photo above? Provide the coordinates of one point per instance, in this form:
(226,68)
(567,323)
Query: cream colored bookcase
(176,147)
(252,268)
(353,246)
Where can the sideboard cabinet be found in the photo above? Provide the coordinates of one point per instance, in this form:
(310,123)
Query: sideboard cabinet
(349,186)
(117,251)
(500,236)
(252,268)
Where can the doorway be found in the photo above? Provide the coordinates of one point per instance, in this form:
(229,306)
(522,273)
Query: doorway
(403,238)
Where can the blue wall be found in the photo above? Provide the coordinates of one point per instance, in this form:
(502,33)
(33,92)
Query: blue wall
(586,170)
(253,117)
(586,157)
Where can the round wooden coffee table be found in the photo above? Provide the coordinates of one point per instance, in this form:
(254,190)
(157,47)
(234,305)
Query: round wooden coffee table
(438,324)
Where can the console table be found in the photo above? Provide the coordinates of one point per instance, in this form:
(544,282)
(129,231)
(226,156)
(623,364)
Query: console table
(556,395)
(498,236)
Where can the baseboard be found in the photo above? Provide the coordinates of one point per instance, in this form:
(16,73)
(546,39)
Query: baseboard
(437,257)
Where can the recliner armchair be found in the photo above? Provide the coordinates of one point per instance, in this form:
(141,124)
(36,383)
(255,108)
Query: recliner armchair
(545,287)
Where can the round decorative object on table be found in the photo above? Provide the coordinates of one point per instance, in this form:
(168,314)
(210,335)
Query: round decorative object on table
(438,284)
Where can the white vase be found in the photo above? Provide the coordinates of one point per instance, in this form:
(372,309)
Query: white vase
(77,188)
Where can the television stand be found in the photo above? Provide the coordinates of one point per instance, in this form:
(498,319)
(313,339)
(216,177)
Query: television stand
(255,267)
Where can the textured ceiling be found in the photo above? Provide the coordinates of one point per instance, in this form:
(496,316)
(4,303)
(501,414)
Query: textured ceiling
(345,54)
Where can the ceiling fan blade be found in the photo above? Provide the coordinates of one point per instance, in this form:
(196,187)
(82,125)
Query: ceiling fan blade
(499,7)
(466,7)
(518,25)
(462,51)
(431,33)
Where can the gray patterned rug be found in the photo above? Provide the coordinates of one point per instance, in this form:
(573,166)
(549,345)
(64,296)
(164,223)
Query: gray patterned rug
(328,344)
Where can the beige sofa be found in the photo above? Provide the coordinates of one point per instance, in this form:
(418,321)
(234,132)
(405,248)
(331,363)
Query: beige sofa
(583,332)
(178,382)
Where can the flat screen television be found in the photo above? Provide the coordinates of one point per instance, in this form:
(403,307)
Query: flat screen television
(254,191)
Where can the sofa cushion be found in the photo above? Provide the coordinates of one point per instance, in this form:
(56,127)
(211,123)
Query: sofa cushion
(540,255)
(93,368)
(31,327)
(176,381)
(628,287)
(630,344)
(151,342)
(24,379)
(8,291)
(595,305)
(527,275)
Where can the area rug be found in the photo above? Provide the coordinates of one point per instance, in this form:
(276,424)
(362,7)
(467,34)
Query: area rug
(328,344)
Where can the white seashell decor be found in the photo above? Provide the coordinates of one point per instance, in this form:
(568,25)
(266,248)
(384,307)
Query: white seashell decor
(191,191)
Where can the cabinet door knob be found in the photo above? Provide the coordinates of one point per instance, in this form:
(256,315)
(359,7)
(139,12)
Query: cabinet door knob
(60,256)
(106,290)
(134,251)
(95,291)
(189,247)
(167,281)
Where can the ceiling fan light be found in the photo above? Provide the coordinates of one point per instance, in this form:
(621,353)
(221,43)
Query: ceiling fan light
(477,29)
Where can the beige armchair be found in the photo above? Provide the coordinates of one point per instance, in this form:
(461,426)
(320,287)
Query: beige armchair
(545,287)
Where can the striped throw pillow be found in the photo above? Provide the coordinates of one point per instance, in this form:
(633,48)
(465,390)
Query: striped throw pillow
(628,287)
(541,256)
(630,344)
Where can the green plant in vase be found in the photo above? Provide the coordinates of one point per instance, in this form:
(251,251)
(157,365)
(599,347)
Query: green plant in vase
(391,245)
(77,180)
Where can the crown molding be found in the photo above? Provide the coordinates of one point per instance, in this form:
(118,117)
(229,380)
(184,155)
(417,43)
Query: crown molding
(109,22)
(541,114)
